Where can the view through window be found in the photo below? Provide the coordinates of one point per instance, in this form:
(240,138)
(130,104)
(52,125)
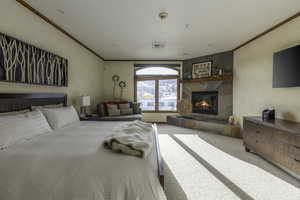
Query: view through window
(156,88)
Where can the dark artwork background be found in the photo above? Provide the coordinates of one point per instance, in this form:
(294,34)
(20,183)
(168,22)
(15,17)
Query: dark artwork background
(23,63)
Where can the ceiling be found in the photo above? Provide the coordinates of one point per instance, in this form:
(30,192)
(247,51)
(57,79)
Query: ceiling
(126,29)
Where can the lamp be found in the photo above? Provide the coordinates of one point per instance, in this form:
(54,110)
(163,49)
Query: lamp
(84,101)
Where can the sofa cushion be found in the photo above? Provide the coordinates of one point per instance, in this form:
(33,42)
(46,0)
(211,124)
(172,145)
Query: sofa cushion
(126,111)
(113,110)
(124,106)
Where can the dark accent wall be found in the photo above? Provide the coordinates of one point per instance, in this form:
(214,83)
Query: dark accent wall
(220,60)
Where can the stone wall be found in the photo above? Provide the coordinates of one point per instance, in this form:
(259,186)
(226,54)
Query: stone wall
(225,88)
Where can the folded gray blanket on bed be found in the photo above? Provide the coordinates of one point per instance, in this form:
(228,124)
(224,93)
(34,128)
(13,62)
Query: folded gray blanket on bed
(133,139)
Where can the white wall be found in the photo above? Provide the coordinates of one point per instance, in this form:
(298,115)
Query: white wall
(126,72)
(253,71)
(85,69)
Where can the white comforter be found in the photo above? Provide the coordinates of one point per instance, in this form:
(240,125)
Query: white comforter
(72,164)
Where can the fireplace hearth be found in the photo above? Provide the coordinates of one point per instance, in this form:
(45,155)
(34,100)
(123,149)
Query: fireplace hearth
(205,102)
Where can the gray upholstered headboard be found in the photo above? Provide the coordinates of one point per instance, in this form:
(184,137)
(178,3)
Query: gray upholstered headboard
(15,102)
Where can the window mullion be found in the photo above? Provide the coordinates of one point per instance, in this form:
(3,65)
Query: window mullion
(156,95)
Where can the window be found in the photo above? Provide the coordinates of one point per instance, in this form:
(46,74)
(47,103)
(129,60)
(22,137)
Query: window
(146,94)
(157,88)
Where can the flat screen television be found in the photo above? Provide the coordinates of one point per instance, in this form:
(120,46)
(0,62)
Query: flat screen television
(286,68)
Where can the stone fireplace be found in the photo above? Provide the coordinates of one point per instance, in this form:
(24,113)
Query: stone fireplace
(205,102)
(210,99)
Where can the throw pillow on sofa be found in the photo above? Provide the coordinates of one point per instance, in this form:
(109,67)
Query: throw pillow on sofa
(113,110)
(124,106)
(125,109)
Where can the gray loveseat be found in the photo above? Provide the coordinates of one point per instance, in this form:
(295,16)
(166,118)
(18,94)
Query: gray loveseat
(102,111)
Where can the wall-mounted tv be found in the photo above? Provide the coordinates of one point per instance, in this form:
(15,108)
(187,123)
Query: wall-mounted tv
(286,68)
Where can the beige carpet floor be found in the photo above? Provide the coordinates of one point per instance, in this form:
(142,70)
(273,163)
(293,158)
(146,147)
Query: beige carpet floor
(222,170)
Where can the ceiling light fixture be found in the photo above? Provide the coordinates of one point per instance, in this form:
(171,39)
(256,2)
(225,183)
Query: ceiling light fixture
(163,15)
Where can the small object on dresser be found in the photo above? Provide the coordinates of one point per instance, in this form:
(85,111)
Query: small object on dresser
(268,114)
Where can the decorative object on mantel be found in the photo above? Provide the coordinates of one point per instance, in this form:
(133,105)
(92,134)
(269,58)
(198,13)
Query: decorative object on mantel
(84,101)
(184,107)
(201,70)
(231,120)
(115,79)
(23,63)
(122,85)
(226,77)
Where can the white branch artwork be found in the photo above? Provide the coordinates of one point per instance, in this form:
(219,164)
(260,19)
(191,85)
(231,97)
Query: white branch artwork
(21,62)
(21,59)
(8,48)
(40,66)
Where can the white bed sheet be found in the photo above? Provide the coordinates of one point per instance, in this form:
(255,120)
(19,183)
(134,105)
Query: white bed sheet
(72,164)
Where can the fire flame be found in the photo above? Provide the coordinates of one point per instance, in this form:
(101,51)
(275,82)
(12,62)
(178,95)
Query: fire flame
(203,104)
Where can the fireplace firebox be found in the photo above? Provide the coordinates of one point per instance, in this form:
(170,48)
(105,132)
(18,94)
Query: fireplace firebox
(205,102)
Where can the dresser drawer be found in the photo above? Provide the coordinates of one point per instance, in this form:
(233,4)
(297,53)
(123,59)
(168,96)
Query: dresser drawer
(294,152)
(281,153)
(258,137)
(293,164)
(282,137)
(295,140)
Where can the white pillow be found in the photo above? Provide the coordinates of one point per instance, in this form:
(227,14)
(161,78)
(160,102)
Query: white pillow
(14,128)
(59,117)
(15,112)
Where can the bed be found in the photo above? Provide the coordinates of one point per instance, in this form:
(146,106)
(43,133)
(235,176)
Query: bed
(71,162)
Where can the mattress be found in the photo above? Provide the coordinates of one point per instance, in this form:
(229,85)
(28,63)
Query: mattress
(71,163)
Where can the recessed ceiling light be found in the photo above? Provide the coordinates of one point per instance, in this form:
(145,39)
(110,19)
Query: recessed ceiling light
(187,26)
(157,45)
(60,11)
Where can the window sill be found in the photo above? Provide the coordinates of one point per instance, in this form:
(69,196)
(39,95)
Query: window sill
(160,111)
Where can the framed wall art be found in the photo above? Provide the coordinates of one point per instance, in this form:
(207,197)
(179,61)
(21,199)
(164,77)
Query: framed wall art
(202,69)
(23,63)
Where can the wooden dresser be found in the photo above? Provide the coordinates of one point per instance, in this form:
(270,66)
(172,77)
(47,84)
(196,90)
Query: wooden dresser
(277,141)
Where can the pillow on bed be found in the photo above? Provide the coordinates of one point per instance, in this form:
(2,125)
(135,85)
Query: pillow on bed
(59,117)
(18,127)
(15,112)
(47,106)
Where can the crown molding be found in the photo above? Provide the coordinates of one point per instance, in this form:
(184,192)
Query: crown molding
(268,31)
